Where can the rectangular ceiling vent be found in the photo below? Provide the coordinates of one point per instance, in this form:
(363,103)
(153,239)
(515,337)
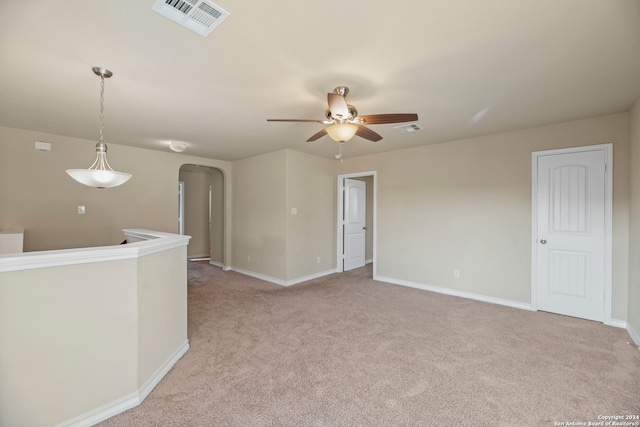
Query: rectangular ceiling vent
(199,16)
(413,127)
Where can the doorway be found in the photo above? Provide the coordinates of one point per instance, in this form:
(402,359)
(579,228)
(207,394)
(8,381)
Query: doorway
(356,223)
(572,232)
(203,212)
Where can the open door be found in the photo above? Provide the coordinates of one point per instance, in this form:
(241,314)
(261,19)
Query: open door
(355,220)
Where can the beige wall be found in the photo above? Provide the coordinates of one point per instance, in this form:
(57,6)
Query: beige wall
(467,205)
(36,193)
(634,223)
(310,184)
(282,245)
(196,208)
(79,341)
(72,335)
(463,204)
(216,244)
(162,309)
(259,221)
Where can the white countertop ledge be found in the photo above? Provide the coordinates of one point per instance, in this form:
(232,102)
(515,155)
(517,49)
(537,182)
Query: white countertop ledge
(153,241)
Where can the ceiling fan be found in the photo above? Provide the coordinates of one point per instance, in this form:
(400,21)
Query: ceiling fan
(344,120)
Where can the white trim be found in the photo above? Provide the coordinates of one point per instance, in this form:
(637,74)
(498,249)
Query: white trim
(154,379)
(60,257)
(618,323)
(634,336)
(369,261)
(259,276)
(196,256)
(102,413)
(219,264)
(130,401)
(339,250)
(608,221)
(309,277)
(154,241)
(181,207)
(455,293)
(280,281)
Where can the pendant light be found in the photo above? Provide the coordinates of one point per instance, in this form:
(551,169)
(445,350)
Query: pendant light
(100,174)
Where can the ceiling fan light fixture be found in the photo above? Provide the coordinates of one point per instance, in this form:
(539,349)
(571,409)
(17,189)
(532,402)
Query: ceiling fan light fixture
(342,132)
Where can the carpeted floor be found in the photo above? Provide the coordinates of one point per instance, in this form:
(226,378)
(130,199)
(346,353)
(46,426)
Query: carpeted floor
(345,350)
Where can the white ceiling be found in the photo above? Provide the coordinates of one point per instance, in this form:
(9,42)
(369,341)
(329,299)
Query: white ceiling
(466,67)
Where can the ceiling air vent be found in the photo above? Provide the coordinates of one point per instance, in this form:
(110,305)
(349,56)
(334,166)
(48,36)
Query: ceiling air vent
(408,128)
(199,16)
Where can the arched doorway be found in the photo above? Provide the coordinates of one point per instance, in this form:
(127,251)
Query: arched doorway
(202,211)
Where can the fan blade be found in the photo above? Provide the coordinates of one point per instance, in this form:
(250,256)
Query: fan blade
(367,133)
(318,135)
(378,119)
(338,106)
(295,120)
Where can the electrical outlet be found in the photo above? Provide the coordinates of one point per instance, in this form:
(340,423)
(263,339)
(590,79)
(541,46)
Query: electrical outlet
(456,274)
(81,210)
(248,258)
(318,260)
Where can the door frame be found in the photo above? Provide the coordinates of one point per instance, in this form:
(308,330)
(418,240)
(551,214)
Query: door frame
(608,221)
(339,221)
(181,208)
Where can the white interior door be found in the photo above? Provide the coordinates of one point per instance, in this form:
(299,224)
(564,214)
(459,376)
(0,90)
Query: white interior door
(355,209)
(571,234)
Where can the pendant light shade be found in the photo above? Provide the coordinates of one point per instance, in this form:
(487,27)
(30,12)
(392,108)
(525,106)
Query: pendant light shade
(342,132)
(100,175)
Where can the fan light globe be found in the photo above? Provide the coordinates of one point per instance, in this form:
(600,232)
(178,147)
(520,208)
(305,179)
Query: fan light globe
(342,132)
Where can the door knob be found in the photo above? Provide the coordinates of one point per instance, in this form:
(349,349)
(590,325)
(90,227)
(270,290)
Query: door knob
(364,228)
(543,241)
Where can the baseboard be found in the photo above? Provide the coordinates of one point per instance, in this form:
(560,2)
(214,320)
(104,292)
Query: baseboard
(618,323)
(130,401)
(106,411)
(154,379)
(309,277)
(217,264)
(369,261)
(194,256)
(258,276)
(280,281)
(634,336)
(456,293)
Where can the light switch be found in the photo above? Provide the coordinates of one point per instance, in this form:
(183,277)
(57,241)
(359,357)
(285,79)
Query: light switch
(294,211)
(81,210)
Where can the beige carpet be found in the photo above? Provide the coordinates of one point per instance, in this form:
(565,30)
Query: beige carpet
(345,350)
